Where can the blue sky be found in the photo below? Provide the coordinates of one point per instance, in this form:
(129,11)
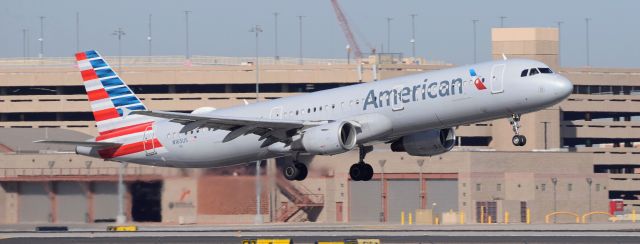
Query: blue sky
(443,28)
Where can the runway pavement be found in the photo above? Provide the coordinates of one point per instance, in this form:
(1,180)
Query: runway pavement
(309,233)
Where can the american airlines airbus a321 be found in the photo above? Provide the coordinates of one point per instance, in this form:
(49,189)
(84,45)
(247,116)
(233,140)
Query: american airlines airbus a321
(413,114)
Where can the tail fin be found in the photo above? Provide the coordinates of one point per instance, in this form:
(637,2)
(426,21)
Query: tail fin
(110,97)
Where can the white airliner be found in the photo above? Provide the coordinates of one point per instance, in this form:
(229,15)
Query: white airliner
(413,114)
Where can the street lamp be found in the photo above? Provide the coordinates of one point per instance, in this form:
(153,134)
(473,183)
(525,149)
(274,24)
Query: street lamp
(413,35)
(475,40)
(559,42)
(502,21)
(275,17)
(258,219)
(300,37)
(41,39)
(187,51)
(587,20)
(119,33)
(554,180)
(348,47)
(382,162)
(257,29)
(589,182)
(389,19)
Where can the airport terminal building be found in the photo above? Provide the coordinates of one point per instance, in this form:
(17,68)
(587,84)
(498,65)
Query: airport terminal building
(581,156)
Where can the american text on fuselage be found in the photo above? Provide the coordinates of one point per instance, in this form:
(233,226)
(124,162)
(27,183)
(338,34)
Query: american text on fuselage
(407,94)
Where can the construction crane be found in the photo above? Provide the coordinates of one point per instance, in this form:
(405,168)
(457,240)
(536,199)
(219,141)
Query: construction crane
(344,24)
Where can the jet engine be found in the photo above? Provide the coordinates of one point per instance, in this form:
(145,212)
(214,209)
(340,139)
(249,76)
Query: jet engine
(426,143)
(328,139)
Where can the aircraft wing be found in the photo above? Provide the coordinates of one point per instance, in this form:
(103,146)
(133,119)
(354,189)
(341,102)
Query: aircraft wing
(83,143)
(270,129)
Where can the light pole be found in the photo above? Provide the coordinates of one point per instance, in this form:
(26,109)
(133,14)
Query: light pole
(257,29)
(475,50)
(389,19)
(275,19)
(554,180)
(78,31)
(24,43)
(300,37)
(258,219)
(413,35)
(41,39)
(587,20)
(149,37)
(589,182)
(559,42)
(27,42)
(186,17)
(422,202)
(382,162)
(348,47)
(121,218)
(119,33)
(502,18)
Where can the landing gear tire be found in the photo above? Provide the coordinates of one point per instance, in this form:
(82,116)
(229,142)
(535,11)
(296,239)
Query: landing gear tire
(361,172)
(295,171)
(368,172)
(519,140)
(302,171)
(355,172)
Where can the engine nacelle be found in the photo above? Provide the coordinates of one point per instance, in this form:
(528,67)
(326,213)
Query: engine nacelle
(328,139)
(426,143)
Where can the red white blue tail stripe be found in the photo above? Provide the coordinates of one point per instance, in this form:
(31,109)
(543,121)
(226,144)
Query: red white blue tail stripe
(110,99)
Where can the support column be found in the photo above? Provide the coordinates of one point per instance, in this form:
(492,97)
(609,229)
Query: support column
(121,218)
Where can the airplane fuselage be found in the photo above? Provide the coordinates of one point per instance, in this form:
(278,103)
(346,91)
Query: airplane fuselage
(408,104)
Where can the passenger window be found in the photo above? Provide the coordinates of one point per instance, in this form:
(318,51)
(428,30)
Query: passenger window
(533,71)
(524,73)
(545,70)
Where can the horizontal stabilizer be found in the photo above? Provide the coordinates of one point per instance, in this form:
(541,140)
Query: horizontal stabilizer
(83,143)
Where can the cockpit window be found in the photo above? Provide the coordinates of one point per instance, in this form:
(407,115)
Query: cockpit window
(524,73)
(545,70)
(533,71)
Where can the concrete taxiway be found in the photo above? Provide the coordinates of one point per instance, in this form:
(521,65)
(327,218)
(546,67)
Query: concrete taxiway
(309,233)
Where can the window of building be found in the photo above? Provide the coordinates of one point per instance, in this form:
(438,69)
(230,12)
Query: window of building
(543,187)
(478,187)
(597,187)
(499,187)
(569,187)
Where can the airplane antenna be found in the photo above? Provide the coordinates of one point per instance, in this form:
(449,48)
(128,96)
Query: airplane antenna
(504,57)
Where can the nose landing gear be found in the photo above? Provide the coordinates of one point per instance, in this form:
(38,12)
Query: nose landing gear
(362,171)
(517,140)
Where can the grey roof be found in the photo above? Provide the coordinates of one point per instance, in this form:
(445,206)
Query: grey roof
(21,139)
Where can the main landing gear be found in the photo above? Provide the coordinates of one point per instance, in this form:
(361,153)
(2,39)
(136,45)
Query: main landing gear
(295,171)
(517,140)
(362,171)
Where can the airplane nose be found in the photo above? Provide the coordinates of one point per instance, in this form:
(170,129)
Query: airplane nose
(562,87)
(565,86)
